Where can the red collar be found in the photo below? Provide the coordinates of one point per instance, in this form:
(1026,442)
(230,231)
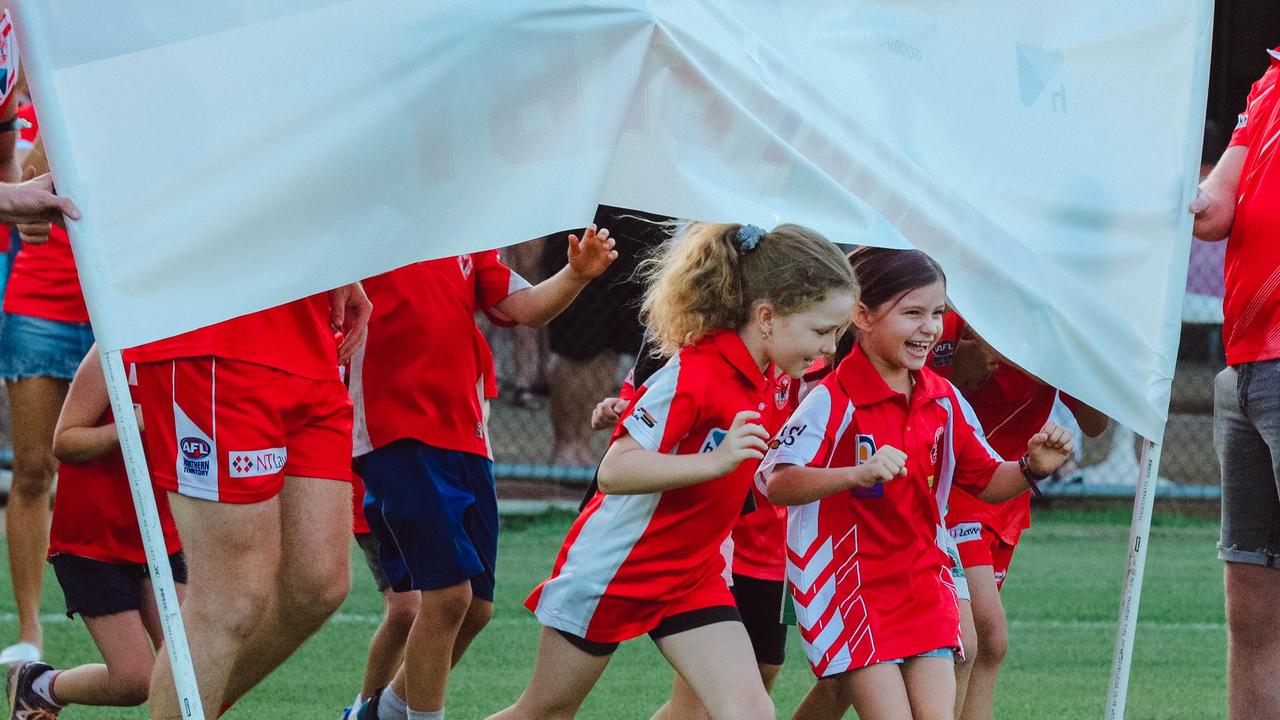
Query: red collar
(730,345)
(863,384)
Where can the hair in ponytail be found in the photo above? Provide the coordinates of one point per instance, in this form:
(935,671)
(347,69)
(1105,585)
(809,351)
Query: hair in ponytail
(710,277)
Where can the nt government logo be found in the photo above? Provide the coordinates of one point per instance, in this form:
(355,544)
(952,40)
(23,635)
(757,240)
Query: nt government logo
(1037,67)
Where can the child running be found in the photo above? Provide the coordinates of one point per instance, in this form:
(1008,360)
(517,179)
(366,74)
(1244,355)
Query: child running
(1012,405)
(757,552)
(386,647)
(423,447)
(732,305)
(96,551)
(867,462)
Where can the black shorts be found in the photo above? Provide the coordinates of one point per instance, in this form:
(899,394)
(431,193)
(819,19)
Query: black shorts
(369,548)
(760,603)
(605,317)
(669,626)
(94,588)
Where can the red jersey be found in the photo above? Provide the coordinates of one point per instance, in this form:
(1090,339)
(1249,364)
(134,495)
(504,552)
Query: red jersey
(93,515)
(44,282)
(294,337)
(1011,406)
(1251,305)
(868,572)
(420,374)
(629,558)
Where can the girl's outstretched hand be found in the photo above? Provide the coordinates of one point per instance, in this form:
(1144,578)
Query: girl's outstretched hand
(592,255)
(745,440)
(1049,448)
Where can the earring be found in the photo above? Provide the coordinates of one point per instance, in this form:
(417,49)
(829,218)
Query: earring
(766,333)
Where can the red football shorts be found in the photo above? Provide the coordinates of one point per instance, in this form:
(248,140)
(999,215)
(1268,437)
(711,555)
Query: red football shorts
(980,545)
(230,431)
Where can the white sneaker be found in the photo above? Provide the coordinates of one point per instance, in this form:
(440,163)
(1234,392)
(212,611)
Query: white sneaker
(20,652)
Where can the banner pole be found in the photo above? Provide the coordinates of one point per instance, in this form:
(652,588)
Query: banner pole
(1139,540)
(144,502)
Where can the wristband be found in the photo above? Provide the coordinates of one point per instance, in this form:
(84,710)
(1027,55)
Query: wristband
(1024,464)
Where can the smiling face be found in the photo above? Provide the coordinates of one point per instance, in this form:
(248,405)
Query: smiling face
(796,340)
(897,335)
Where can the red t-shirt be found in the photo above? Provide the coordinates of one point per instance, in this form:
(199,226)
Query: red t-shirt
(295,337)
(869,575)
(44,282)
(93,515)
(1251,306)
(628,554)
(1011,406)
(419,375)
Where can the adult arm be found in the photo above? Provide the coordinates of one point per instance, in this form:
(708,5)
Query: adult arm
(1215,202)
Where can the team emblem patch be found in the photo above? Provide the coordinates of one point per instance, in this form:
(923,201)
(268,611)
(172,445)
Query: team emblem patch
(937,443)
(782,392)
(866,445)
(465,264)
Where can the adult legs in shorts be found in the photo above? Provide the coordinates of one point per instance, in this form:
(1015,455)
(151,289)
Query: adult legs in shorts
(312,580)
(35,403)
(1246,436)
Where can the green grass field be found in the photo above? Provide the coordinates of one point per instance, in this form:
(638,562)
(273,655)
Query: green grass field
(1062,599)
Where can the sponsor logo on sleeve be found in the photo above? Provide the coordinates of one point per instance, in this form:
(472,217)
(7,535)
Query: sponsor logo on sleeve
(256,463)
(787,437)
(1242,120)
(643,416)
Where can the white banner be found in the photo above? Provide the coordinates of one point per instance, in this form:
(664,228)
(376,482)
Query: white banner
(231,155)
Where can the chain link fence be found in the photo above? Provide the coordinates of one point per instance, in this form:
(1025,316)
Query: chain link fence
(541,391)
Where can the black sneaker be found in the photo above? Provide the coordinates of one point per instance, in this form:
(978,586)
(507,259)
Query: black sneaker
(24,703)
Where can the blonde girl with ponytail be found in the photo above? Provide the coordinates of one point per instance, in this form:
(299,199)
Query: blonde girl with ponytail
(739,311)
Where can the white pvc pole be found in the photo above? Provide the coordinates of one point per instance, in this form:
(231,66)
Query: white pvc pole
(1139,538)
(144,503)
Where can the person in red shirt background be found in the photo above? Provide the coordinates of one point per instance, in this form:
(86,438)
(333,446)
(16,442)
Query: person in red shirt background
(423,447)
(1011,405)
(249,429)
(44,333)
(1240,201)
(96,552)
(400,609)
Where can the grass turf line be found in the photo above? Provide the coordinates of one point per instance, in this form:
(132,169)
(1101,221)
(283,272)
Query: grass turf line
(1062,599)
